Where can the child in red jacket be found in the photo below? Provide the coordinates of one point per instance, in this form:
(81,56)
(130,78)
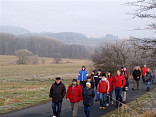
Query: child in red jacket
(74,94)
(119,83)
(103,90)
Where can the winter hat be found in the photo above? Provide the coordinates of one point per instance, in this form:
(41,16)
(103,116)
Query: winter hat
(88,77)
(58,78)
(99,69)
(88,83)
(74,80)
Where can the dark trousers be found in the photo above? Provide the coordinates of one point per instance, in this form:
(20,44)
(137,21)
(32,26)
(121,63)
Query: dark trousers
(109,97)
(118,94)
(82,83)
(56,106)
(87,110)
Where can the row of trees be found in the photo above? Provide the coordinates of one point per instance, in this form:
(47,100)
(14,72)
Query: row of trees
(112,56)
(41,46)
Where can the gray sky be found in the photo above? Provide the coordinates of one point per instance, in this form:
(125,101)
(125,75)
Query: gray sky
(94,18)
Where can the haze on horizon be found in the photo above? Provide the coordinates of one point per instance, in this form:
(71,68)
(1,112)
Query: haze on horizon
(94,18)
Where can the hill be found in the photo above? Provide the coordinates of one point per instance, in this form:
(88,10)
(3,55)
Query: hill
(67,37)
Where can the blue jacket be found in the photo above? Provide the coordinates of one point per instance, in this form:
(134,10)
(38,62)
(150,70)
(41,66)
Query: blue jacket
(82,75)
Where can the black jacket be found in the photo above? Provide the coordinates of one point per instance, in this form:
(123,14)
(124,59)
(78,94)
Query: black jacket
(136,73)
(91,82)
(97,78)
(88,96)
(57,92)
(148,76)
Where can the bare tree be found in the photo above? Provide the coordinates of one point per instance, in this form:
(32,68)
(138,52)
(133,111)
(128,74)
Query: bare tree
(145,9)
(23,56)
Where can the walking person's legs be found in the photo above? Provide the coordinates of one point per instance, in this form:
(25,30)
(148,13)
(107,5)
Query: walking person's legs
(147,84)
(134,84)
(101,102)
(85,109)
(120,95)
(104,100)
(59,106)
(124,96)
(97,95)
(75,108)
(137,84)
(117,95)
(88,111)
(54,108)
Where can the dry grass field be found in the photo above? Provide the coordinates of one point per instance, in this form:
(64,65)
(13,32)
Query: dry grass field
(26,85)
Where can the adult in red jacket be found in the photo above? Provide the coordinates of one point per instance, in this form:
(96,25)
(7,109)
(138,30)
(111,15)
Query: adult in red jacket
(102,90)
(143,72)
(119,83)
(110,79)
(74,94)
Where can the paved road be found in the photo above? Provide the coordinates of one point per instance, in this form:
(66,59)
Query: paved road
(44,110)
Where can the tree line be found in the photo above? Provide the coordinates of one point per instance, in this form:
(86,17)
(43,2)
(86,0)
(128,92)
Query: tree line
(41,46)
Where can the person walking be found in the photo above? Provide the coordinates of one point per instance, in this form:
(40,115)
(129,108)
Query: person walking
(154,74)
(103,90)
(74,95)
(82,77)
(97,78)
(93,74)
(125,88)
(88,98)
(136,76)
(119,83)
(56,95)
(110,79)
(91,81)
(143,72)
(148,77)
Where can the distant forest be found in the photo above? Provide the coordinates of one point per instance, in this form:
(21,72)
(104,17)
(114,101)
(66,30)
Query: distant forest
(41,46)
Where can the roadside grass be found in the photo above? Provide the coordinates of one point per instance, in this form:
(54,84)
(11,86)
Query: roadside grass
(22,86)
(18,95)
(143,106)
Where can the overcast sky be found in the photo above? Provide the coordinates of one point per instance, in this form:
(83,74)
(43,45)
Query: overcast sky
(94,18)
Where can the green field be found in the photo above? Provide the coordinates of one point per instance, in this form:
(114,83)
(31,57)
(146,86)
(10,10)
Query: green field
(26,85)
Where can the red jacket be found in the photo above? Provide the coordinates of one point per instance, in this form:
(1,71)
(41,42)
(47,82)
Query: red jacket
(76,94)
(119,81)
(143,71)
(111,86)
(103,86)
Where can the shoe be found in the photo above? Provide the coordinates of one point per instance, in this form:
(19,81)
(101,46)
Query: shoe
(54,116)
(124,102)
(112,102)
(107,104)
(133,89)
(120,105)
(100,107)
(103,108)
(96,100)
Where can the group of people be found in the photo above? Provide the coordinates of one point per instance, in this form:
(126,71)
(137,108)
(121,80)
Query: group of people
(147,74)
(82,89)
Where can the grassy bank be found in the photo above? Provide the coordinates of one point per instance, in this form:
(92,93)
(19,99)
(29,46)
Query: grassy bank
(143,106)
